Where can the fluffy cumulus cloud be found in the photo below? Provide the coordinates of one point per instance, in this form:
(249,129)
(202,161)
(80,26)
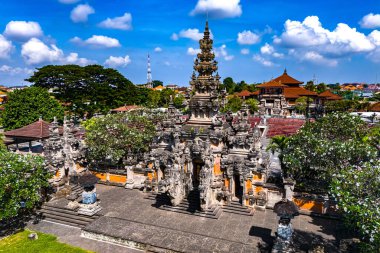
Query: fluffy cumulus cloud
(222,52)
(73,58)
(80,13)
(265,62)
(158,49)
(22,30)
(115,62)
(193,34)
(193,51)
(370,21)
(318,59)
(97,41)
(121,23)
(244,51)
(269,50)
(343,40)
(5,47)
(248,38)
(68,1)
(15,70)
(218,8)
(35,52)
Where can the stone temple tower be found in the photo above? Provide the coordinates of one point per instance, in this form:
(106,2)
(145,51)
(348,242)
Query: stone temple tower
(204,103)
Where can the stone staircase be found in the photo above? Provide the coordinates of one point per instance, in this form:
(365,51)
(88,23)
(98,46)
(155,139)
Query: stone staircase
(65,216)
(189,205)
(54,212)
(236,208)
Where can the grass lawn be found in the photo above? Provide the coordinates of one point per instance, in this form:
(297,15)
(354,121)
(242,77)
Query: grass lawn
(19,243)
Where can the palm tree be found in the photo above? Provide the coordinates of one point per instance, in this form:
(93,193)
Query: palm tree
(278,144)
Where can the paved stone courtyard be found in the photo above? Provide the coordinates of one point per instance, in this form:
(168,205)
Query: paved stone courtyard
(129,218)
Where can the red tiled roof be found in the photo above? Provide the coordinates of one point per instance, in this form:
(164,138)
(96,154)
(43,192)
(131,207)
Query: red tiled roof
(126,108)
(296,92)
(283,126)
(329,95)
(256,93)
(271,84)
(36,130)
(375,107)
(244,93)
(287,80)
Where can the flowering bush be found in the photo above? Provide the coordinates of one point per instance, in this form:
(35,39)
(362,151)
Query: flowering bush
(21,179)
(357,189)
(325,147)
(111,136)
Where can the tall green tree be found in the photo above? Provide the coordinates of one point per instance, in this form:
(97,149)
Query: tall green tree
(27,106)
(157,83)
(253,105)
(21,179)
(278,144)
(302,104)
(86,90)
(234,104)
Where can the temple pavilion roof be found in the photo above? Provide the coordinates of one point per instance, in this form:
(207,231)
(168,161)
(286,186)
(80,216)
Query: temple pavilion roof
(126,108)
(272,84)
(34,131)
(244,93)
(296,92)
(287,80)
(329,95)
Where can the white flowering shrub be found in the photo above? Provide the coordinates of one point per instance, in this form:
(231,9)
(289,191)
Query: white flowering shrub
(357,189)
(21,179)
(110,137)
(325,147)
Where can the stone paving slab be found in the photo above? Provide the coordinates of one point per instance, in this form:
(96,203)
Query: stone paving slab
(147,236)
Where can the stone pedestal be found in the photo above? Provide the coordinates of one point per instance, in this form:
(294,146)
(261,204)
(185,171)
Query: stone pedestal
(89,209)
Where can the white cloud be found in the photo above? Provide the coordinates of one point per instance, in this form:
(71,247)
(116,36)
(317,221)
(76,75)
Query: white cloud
(192,51)
(98,41)
(269,50)
(114,61)
(174,36)
(81,12)
(374,37)
(315,57)
(222,52)
(5,47)
(35,52)
(158,49)
(218,8)
(22,30)
(121,23)
(73,58)
(310,34)
(244,51)
(263,61)
(192,34)
(69,1)
(248,38)
(15,70)
(370,21)
(167,63)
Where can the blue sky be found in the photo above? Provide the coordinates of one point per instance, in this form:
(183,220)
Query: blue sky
(337,41)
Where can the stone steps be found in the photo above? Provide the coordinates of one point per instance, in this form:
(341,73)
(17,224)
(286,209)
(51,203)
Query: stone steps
(65,216)
(189,205)
(236,208)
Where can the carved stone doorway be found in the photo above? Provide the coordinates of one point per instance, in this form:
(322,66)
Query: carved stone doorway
(238,189)
(197,166)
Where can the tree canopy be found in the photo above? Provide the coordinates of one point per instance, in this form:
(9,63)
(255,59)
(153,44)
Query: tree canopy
(21,179)
(86,90)
(110,137)
(27,106)
(325,147)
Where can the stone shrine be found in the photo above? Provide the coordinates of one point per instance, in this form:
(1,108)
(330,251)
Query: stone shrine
(217,157)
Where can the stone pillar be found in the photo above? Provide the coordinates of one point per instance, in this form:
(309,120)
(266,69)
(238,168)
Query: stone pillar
(289,188)
(130,175)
